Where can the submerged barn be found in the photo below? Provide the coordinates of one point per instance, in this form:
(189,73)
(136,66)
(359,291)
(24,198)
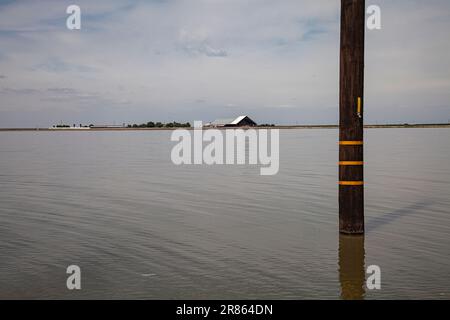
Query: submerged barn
(241,121)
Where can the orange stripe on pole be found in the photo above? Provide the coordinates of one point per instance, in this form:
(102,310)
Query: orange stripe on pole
(351,183)
(351,143)
(351,163)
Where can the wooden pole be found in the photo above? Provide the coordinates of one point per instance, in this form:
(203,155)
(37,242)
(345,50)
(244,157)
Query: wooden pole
(352,276)
(351,107)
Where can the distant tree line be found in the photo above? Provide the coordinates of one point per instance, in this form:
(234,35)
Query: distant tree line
(152,124)
(266,125)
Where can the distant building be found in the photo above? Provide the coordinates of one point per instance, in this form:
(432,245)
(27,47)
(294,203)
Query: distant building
(68,127)
(241,121)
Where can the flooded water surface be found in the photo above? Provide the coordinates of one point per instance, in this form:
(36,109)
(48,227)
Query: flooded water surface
(140,227)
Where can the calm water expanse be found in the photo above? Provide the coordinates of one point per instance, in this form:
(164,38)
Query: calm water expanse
(140,227)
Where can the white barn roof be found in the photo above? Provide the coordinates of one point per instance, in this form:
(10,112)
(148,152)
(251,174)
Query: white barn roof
(228,122)
(238,119)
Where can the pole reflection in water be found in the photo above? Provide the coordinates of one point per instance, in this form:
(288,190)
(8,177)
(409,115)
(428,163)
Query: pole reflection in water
(351,266)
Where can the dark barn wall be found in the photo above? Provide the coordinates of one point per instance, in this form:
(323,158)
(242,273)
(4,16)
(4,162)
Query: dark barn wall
(246,122)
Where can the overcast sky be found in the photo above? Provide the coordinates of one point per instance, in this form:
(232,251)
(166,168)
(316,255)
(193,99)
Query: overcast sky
(275,60)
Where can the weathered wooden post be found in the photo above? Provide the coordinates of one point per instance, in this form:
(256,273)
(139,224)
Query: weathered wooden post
(352,274)
(351,107)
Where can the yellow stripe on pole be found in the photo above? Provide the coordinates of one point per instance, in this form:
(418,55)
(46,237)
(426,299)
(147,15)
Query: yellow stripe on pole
(351,143)
(351,183)
(359,106)
(351,163)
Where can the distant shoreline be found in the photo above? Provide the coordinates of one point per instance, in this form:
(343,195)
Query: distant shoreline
(325,126)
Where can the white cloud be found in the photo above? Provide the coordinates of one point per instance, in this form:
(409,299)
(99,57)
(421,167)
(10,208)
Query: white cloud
(155,60)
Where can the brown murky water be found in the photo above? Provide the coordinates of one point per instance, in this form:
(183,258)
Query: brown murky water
(140,227)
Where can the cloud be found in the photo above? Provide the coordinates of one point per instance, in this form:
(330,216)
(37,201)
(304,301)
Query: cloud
(55,64)
(277,60)
(313,29)
(212,52)
(18,91)
(64,91)
(198,44)
(203,48)
(285,106)
(65,94)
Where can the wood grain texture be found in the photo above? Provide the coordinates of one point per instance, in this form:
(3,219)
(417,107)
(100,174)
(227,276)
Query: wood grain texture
(351,122)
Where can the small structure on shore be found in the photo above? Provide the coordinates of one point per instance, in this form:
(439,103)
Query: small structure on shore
(84,127)
(241,121)
(68,127)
